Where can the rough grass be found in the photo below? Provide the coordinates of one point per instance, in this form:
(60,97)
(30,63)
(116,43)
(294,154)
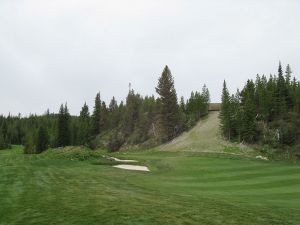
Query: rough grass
(79,153)
(15,149)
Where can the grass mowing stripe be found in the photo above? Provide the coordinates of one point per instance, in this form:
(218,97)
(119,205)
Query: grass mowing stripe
(242,184)
(207,176)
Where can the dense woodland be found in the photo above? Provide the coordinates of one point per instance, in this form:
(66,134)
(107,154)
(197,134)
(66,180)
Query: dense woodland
(266,111)
(139,121)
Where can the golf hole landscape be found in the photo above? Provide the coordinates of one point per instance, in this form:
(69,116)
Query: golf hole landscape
(149,112)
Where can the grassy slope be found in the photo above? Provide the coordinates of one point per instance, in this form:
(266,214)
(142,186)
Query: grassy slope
(205,137)
(183,187)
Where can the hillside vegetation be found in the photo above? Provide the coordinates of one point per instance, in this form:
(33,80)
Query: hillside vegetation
(266,112)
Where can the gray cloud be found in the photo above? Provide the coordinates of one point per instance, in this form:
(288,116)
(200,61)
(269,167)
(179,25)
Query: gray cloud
(67,50)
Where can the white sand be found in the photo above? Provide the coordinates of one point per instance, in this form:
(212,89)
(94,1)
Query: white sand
(132,167)
(122,160)
(261,157)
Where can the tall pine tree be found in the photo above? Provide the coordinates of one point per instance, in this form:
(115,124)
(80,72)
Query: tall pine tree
(63,137)
(225,113)
(42,139)
(281,93)
(96,117)
(169,107)
(249,112)
(84,125)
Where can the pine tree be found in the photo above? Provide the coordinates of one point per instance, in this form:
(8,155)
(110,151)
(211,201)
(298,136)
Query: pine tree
(96,117)
(60,132)
(63,134)
(4,129)
(288,74)
(67,119)
(199,106)
(143,123)
(264,98)
(182,116)
(288,89)
(249,112)
(182,105)
(205,100)
(225,113)
(271,98)
(104,117)
(75,130)
(297,98)
(190,105)
(114,115)
(281,93)
(84,125)
(131,114)
(113,105)
(29,147)
(236,112)
(42,140)
(3,144)
(169,107)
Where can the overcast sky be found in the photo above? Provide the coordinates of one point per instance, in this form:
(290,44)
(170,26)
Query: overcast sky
(56,51)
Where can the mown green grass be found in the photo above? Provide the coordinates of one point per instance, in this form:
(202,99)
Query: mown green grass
(182,188)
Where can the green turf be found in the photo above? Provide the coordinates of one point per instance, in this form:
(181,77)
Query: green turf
(15,149)
(182,188)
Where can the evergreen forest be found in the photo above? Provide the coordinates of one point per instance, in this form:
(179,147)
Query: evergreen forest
(139,121)
(265,112)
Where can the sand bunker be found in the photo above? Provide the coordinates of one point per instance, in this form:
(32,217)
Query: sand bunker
(120,160)
(128,167)
(132,167)
(261,157)
(123,160)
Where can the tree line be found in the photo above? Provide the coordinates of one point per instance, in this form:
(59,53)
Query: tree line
(265,111)
(142,121)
